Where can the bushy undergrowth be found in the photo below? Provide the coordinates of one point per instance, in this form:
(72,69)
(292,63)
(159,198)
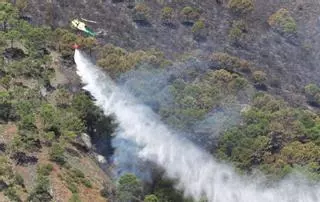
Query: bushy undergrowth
(275,138)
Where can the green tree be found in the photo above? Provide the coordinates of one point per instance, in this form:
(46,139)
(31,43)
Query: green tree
(167,15)
(5,81)
(40,192)
(7,111)
(11,193)
(37,39)
(13,35)
(87,42)
(198,30)
(48,114)
(129,188)
(141,13)
(18,179)
(7,13)
(283,22)
(57,153)
(151,198)
(189,15)
(241,6)
(75,198)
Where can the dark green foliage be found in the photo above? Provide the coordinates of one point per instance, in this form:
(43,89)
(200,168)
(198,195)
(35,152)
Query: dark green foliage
(18,179)
(231,63)
(129,188)
(45,170)
(164,191)
(57,153)
(8,13)
(77,173)
(241,6)
(141,13)
(7,111)
(73,187)
(270,137)
(29,67)
(27,123)
(86,183)
(167,15)
(75,198)
(259,76)
(73,178)
(5,167)
(151,198)
(116,60)
(199,30)
(40,192)
(62,122)
(312,92)
(238,31)
(11,193)
(283,22)
(62,40)
(13,35)
(5,81)
(192,101)
(37,39)
(188,15)
(93,117)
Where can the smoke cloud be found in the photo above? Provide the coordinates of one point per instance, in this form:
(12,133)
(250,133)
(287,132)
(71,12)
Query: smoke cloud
(196,172)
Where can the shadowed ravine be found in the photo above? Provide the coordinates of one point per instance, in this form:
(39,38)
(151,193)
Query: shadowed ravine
(197,172)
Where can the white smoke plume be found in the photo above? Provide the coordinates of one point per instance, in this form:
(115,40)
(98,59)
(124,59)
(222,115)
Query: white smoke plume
(196,172)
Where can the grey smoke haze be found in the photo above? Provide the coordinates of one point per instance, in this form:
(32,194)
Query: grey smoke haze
(196,172)
(150,86)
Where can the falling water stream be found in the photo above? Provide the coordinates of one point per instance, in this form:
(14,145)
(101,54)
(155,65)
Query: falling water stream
(197,173)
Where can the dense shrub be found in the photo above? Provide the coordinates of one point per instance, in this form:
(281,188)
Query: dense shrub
(167,13)
(270,137)
(241,6)
(7,110)
(141,14)
(11,193)
(189,15)
(151,198)
(57,153)
(259,76)
(199,30)
(167,16)
(75,197)
(283,22)
(129,188)
(193,100)
(116,60)
(312,92)
(237,33)
(45,170)
(41,191)
(231,63)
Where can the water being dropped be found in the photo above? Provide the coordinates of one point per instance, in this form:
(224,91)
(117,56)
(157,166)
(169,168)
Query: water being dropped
(196,172)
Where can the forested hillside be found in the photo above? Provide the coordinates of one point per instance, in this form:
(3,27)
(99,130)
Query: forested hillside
(240,79)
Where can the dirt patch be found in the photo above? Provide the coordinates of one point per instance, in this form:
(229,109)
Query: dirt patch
(92,194)
(3,198)
(60,192)
(8,131)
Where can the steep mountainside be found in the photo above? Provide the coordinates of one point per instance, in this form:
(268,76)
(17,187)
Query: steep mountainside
(239,78)
(290,60)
